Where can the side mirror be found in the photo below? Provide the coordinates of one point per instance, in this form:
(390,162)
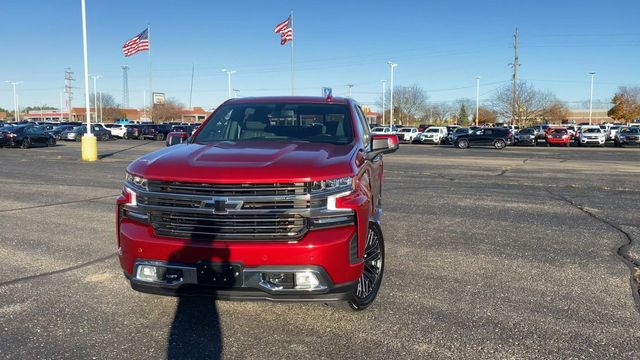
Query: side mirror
(383,144)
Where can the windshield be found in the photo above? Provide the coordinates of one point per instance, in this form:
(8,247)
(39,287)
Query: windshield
(633,130)
(592,131)
(432,130)
(527,131)
(322,123)
(559,131)
(378,129)
(404,130)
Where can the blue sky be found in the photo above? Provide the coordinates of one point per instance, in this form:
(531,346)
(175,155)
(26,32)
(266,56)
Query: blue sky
(440,45)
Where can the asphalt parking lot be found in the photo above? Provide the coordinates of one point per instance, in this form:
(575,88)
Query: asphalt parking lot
(519,253)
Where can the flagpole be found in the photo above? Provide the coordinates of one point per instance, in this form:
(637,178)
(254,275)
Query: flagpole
(150,77)
(293,82)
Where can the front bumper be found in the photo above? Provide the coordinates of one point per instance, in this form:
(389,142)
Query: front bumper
(586,141)
(326,252)
(426,140)
(525,140)
(551,140)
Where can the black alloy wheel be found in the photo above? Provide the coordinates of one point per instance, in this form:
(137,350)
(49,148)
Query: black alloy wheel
(463,143)
(160,137)
(499,144)
(51,142)
(26,143)
(369,282)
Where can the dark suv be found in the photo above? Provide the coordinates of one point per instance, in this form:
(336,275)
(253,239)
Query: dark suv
(496,137)
(275,198)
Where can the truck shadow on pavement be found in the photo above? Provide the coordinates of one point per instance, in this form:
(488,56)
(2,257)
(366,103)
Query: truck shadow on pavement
(195,331)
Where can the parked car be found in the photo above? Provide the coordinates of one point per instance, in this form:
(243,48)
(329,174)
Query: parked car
(140,131)
(178,137)
(25,137)
(591,135)
(162,131)
(627,136)
(407,134)
(117,130)
(182,128)
(434,135)
(235,221)
(526,136)
(611,133)
(496,137)
(451,137)
(58,130)
(541,131)
(558,136)
(76,134)
(383,131)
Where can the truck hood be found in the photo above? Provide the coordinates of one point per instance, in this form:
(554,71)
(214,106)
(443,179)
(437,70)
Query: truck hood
(247,162)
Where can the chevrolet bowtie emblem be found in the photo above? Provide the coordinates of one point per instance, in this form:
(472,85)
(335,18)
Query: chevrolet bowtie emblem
(221,205)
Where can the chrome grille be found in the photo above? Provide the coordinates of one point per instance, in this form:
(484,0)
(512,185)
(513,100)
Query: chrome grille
(225,211)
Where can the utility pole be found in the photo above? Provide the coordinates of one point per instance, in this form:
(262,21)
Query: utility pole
(193,68)
(515,78)
(125,86)
(349,86)
(68,88)
(392,66)
(384,90)
(593,74)
(477,98)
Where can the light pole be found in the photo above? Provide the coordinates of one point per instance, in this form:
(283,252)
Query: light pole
(95,94)
(229,72)
(236,93)
(100,100)
(16,114)
(349,86)
(593,74)
(392,66)
(477,98)
(89,145)
(384,85)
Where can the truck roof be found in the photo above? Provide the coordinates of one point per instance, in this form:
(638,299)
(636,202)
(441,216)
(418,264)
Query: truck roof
(289,99)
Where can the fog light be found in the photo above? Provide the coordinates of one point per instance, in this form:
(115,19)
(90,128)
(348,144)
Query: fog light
(150,273)
(280,280)
(306,280)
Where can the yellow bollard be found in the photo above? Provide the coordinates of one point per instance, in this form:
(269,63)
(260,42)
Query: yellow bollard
(89,148)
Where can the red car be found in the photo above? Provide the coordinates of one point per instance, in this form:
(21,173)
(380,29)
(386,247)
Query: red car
(274,198)
(558,136)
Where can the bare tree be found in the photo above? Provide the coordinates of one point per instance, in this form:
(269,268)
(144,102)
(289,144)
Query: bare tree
(626,104)
(110,108)
(530,103)
(439,112)
(557,111)
(409,103)
(169,111)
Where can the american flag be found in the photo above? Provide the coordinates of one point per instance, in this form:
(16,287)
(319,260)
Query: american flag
(139,43)
(285,30)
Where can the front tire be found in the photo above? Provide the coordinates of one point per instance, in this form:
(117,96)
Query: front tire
(160,137)
(463,143)
(499,144)
(369,283)
(26,143)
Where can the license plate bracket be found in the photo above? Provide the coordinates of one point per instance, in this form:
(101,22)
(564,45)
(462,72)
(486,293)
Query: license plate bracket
(221,275)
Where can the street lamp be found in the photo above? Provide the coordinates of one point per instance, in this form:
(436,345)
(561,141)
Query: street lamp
(349,86)
(229,72)
(236,93)
(384,85)
(89,145)
(392,66)
(593,74)
(95,94)
(16,114)
(477,98)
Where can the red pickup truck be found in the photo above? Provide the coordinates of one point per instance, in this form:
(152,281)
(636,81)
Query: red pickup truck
(274,198)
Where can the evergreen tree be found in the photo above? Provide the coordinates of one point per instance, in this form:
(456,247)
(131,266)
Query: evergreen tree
(463,117)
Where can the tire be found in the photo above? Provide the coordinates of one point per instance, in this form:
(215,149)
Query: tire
(104,137)
(463,144)
(535,142)
(78,138)
(124,136)
(568,144)
(369,283)
(499,144)
(51,142)
(160,137)
(26,143)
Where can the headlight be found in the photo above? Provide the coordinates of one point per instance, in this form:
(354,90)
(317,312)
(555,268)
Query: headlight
(343,183)
(136,180)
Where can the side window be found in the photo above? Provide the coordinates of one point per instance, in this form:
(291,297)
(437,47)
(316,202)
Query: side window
(488,131)
(366,133)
